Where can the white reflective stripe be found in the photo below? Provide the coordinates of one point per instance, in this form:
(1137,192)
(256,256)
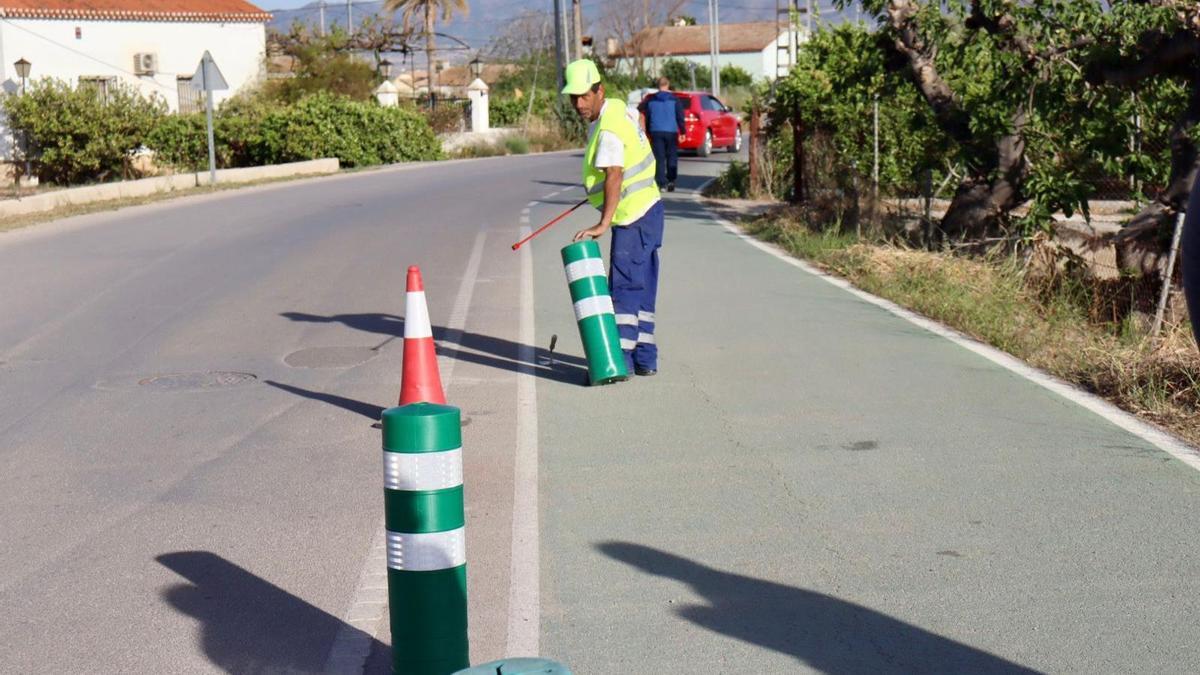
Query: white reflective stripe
(640,166)
(597,304)
(426,552)
(634,187)
(629,173)
(646,338)
(416,316)
(588,267)
(627,320)
(628,345)
(422,470)
(646,316)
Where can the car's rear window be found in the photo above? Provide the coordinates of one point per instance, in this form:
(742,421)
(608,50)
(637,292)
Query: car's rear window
(684,100)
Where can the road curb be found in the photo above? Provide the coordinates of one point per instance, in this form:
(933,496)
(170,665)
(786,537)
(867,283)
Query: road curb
(146,187)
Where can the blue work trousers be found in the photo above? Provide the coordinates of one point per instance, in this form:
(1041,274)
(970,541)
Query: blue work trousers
(634,282)
(666,157)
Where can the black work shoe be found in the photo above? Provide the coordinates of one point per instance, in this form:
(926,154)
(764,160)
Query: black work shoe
(671,186)
(645,372)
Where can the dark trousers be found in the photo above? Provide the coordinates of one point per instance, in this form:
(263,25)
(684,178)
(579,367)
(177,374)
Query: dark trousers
(666,156)
(634,281)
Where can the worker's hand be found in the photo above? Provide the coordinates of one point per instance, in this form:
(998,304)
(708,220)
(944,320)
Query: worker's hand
(591,233)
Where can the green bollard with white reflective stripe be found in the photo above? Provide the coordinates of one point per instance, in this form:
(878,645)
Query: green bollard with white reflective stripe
(594,312)
(426,541)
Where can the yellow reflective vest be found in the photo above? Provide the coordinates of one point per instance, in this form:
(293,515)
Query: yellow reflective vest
(638,190)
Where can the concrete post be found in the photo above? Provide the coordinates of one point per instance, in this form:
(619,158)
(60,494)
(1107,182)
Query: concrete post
(387,94)
(477,92)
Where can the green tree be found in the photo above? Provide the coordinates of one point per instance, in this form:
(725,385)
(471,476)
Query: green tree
(1001,85)
(430,9)
(323,63)
(680,75)
(80,135)
(735,76)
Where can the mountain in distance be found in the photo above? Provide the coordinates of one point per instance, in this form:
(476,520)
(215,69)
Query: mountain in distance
(487,16)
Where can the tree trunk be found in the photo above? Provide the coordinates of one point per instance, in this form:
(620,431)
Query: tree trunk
(1142,244)
(981,203)
(980,206)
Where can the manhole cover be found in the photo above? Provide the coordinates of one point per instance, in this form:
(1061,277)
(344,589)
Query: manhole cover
(330,357)
(196,381)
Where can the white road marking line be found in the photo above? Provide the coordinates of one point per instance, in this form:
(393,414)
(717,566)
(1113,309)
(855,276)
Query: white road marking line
(1164,441)
(352,644)
(524,601)
(458,316)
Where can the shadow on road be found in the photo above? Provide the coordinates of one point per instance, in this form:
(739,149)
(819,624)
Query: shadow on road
(368,410)
(484,350)
(248,624)
(825,633)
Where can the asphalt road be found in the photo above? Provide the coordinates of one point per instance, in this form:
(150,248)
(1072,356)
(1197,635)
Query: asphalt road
(190,480)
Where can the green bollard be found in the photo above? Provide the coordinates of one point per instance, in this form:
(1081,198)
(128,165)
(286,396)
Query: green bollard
(426,541)
(594,312)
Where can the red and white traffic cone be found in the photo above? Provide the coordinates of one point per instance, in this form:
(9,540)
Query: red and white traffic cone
(420,382)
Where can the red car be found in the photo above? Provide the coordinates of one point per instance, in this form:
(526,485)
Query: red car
(710,124)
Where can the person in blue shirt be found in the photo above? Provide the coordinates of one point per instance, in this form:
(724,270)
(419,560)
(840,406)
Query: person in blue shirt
(664,124)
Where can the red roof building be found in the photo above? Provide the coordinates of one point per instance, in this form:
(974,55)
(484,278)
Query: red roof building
(134,10)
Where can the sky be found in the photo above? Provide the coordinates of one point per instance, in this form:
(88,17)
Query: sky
(698,6)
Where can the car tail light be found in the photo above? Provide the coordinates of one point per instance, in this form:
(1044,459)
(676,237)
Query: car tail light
(691,118)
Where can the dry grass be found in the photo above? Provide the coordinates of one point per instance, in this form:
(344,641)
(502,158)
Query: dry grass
(1050,326)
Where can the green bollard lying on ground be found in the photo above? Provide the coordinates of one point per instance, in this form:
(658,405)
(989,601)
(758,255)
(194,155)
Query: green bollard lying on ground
(426,542)
(594,312)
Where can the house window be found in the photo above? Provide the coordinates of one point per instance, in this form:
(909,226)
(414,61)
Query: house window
(100,85)
(191,99)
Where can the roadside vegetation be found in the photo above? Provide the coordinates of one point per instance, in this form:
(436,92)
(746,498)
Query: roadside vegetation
(1051,321)
(996,123)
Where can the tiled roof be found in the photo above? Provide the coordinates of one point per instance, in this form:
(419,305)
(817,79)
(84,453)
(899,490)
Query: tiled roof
(678,40)
(134,10)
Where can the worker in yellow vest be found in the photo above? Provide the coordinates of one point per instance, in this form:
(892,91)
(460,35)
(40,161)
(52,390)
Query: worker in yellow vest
(618,174)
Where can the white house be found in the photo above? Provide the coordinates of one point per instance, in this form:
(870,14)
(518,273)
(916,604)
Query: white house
(762,48)
(154,45)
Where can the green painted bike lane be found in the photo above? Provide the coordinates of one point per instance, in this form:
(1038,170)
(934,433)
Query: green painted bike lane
(812,483)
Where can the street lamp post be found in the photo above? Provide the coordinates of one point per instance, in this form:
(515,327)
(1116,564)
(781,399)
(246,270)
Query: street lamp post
(385,69)
(22,67)
(476,67)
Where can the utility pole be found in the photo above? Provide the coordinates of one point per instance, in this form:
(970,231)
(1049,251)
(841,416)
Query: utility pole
(566,33)
(558,42)
(321,7)
(712,47)
(349,17)
(717,37)
(577,8)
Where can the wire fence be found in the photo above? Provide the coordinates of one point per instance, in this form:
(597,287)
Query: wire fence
(840,193)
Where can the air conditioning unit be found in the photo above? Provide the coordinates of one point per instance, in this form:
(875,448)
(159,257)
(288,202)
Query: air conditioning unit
(145,63)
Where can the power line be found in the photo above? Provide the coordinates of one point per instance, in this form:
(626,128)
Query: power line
(88,56)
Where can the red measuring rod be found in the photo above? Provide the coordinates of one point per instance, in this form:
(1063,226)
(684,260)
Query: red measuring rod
(545,227)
